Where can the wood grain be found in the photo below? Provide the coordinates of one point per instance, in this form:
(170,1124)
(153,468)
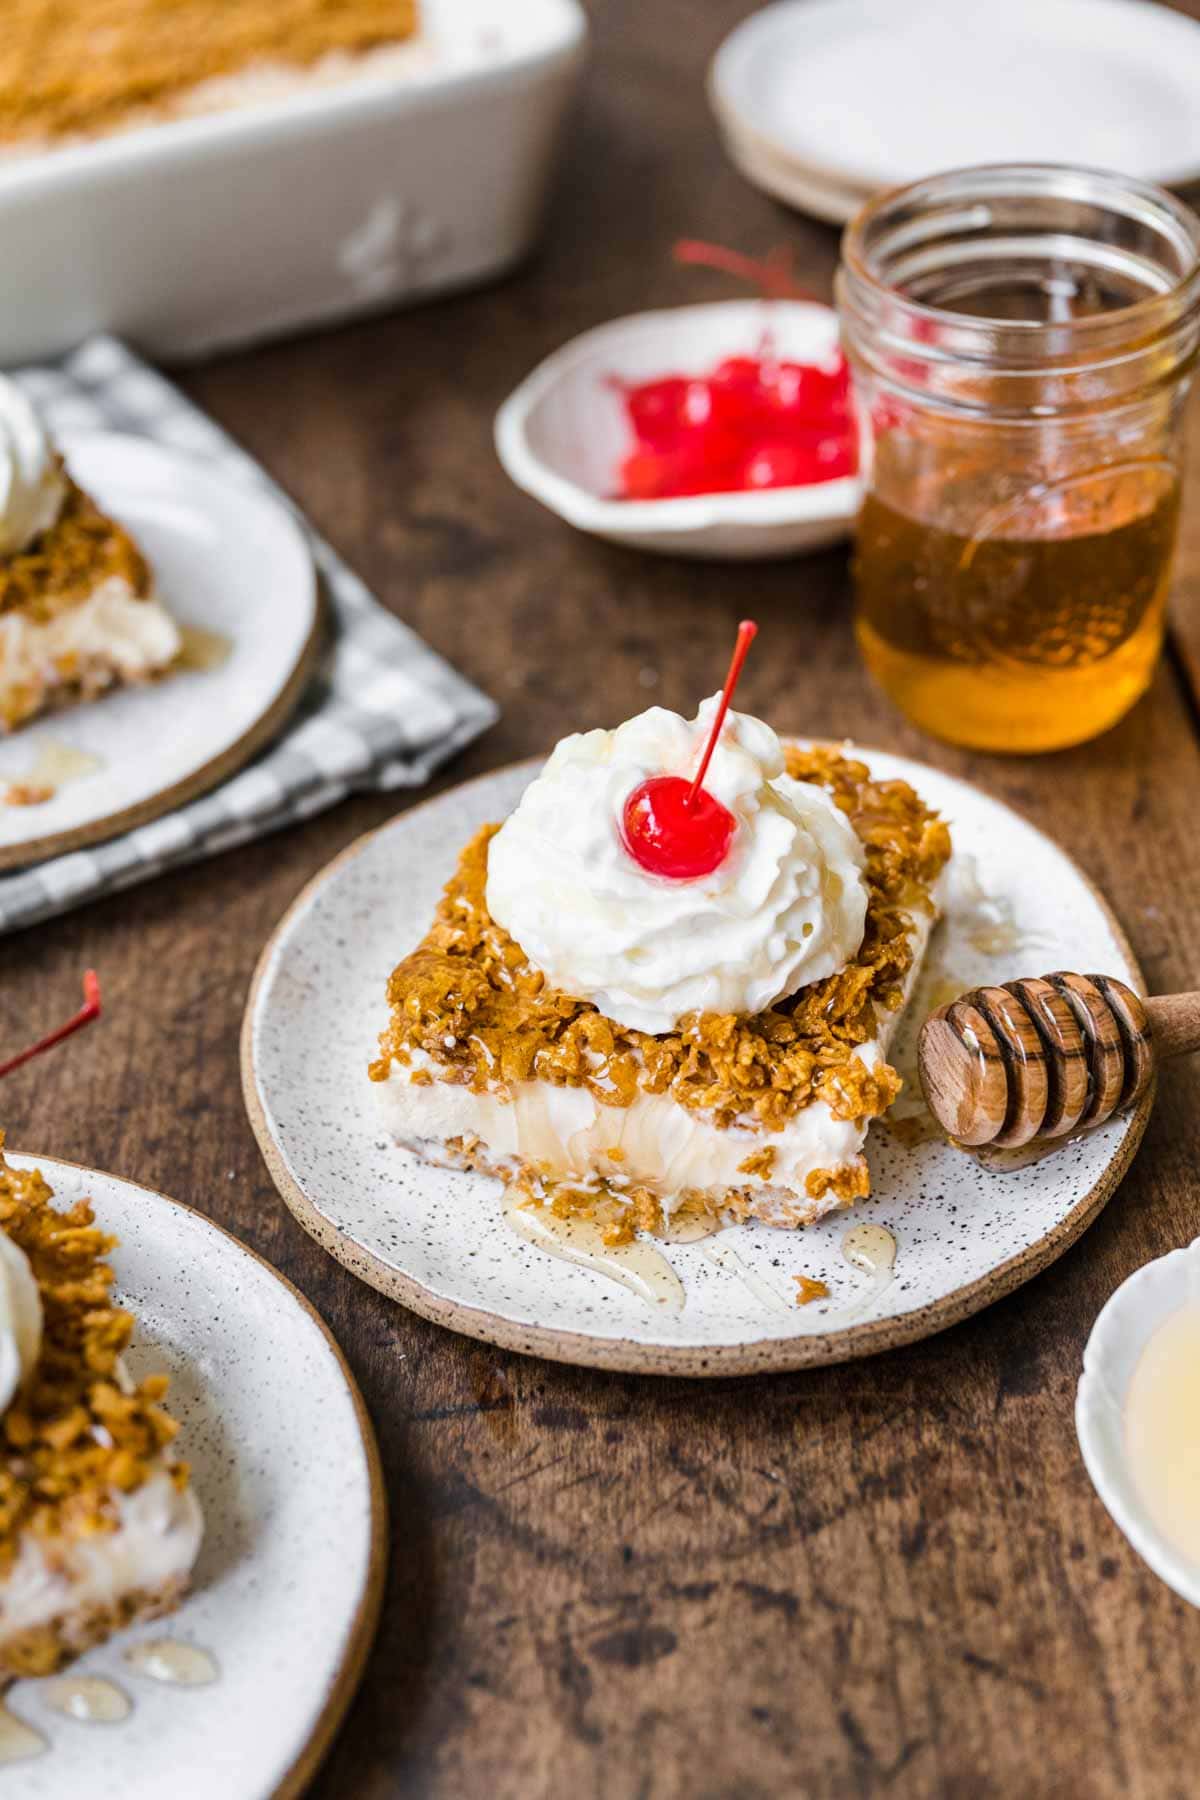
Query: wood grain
(887,1578)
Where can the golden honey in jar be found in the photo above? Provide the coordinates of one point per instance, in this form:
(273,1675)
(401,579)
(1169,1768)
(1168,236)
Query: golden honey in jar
(1022,339)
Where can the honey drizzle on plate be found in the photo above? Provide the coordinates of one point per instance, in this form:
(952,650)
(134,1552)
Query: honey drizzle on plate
(168,1660)
(18,1741)
(871,1249)
(89,1699)
(55,766)
(636,1265)
(728,1259)
(202,650)
(93,1700)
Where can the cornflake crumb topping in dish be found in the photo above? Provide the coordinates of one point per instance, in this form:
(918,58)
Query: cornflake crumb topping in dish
(82,66)
(469,999)
(80,1431)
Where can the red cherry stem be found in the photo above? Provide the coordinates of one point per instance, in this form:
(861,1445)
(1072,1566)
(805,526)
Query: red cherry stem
(88,1011)
(746,634)
(771,274)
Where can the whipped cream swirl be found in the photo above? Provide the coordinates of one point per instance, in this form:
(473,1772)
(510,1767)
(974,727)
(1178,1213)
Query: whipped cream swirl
(32,484)
(786,907)
(20,1320)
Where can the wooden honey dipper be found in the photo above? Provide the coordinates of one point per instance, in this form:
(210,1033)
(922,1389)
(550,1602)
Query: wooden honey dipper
(1046,1057)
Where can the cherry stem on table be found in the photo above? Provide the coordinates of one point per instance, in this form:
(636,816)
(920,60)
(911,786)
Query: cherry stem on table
(771,274)
(747,632)
(88,1011)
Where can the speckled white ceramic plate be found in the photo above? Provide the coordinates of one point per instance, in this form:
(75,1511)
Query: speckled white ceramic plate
(280,1445)
(228,560)
(437,1239)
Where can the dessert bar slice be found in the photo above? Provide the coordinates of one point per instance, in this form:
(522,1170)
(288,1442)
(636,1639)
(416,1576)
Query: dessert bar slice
(78,610)
(98,1523)
(727,1115)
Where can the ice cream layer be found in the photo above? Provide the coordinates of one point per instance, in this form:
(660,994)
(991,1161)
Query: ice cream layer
(155,1541)
(675,1150)
(111,636)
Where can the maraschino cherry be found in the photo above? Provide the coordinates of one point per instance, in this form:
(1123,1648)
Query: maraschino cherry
(87,1012)
(753,422)
(672,826)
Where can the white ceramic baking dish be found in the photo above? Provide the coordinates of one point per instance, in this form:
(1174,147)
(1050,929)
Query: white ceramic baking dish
(214,230)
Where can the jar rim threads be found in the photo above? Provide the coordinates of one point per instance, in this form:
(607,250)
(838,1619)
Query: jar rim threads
(1061,288)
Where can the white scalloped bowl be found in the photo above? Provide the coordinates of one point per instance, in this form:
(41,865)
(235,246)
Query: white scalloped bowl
(1120,1335)
(562,434)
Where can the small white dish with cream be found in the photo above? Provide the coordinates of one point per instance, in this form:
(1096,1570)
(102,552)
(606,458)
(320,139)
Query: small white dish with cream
(1138,1415)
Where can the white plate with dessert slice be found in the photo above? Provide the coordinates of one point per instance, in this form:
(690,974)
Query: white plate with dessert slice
(157,627)
(240,1689)
(569,1159)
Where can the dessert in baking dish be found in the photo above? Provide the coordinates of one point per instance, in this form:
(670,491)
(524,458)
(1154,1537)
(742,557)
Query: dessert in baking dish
(78,611)
(664,989)
(98,1524)
(83,68)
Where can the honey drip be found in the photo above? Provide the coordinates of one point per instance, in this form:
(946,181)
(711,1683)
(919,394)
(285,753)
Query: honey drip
(167,1660)
(636,1266)
(90,1699)
(728,1259)
(202,650)
(871,1249)
(55,766)
(689,1228)
(18,1741)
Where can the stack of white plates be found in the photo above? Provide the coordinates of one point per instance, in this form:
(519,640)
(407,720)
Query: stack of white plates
(825,102)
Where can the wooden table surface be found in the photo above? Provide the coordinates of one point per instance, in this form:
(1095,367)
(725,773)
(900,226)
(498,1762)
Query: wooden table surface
(888,1578)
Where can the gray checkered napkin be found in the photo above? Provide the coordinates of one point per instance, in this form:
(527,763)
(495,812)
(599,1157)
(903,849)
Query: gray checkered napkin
(383,711)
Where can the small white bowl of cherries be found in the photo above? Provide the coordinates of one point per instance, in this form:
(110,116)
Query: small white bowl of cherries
(723,431)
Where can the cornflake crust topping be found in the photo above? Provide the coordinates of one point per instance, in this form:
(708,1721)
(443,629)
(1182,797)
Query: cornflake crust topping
(468,998)
(622,1211)
(65,565)
(77,1432)
(808,1289)
(67,69)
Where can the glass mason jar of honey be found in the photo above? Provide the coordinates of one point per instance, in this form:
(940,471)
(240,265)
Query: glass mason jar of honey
(1022,340)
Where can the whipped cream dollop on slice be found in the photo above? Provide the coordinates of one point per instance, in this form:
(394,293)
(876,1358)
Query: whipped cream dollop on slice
(20,1320)
(785,908)
(32,484)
